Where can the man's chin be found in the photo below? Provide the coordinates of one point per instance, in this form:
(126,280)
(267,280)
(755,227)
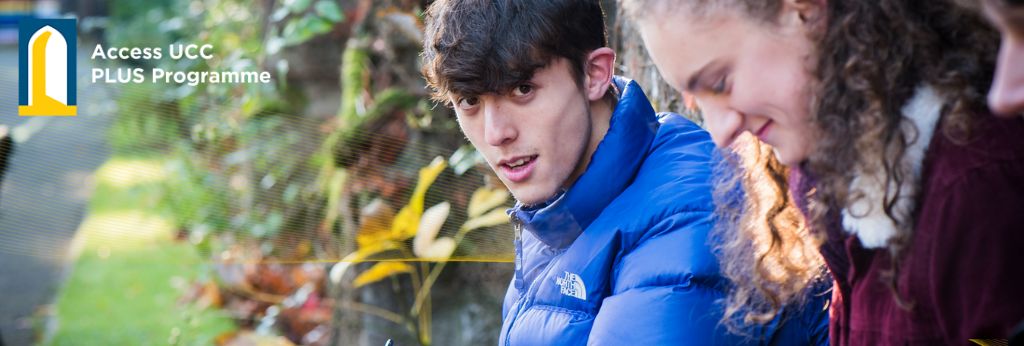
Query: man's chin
(531,196)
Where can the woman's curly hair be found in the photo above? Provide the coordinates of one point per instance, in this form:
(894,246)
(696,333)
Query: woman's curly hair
(763,244)
(861,90)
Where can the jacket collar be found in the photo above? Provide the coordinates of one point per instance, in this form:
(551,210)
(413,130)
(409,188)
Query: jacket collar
(614,164)
(866,217)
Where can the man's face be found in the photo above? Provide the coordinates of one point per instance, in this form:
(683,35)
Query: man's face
(1007,94)
(535,136)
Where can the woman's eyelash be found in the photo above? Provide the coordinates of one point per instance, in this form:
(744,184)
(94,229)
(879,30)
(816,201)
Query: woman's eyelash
(718,85)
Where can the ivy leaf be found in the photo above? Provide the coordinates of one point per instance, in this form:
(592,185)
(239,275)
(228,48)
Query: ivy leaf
(297,6)
(280,14)
(329,10)
(302,29)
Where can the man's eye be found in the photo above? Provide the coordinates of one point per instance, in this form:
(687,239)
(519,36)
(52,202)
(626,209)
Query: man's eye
(522,90)
(468,102)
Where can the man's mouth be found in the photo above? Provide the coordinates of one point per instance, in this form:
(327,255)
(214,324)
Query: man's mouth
(518,169)
(521,161)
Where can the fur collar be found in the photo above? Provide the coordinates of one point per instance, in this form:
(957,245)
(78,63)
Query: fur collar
(866,217)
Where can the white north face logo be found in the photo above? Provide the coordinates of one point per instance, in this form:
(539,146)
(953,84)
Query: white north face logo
(572,285)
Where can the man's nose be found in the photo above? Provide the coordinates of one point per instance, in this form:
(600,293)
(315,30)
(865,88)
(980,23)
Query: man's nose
(499,129)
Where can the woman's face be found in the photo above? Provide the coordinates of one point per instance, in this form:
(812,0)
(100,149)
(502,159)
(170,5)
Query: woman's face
(746,75)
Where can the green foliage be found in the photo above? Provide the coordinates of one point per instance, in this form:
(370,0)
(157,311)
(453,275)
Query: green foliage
(147,120)
(194,199)
(465,158)
(353,66)
(147,23)
(232,166)
(300,22)
(207,201)
(329,10)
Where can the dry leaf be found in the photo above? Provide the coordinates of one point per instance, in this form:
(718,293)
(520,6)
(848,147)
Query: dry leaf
(375,223)
(248,338)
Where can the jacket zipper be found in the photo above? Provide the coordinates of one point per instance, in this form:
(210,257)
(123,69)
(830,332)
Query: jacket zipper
(517,225)
(520,281)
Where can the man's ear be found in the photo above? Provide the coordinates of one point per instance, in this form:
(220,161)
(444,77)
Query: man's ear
(598,71)
(811,14)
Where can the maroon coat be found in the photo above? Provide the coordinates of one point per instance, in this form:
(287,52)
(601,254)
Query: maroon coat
(964,270)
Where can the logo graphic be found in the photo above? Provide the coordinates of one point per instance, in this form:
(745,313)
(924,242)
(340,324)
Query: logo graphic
(46,67)
(572,285)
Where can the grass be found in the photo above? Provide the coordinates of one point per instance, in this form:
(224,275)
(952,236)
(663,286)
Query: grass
(129,274)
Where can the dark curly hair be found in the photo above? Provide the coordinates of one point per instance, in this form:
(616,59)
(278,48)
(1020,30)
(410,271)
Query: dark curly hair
(871,57)
(473,47)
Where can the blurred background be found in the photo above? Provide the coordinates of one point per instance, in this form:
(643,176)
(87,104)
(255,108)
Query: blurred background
(336,205)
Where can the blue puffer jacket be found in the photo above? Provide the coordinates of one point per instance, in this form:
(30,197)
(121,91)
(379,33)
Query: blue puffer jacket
(621,258)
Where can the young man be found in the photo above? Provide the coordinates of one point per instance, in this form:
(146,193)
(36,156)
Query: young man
(614,202)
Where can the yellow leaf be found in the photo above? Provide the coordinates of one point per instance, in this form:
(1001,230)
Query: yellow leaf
(338,270)
(430,226)
(375,223)
(439,250)
(380,271)
(405,223)
(408,219)
(493,218)
(427,176)
(373,249)
(485,199)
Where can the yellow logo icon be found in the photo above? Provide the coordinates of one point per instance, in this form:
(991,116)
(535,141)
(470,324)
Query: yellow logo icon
(47,67)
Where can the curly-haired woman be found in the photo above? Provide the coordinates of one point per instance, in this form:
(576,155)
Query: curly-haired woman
(912,190)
